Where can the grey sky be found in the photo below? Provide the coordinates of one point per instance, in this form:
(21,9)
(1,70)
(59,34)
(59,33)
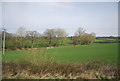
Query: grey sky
(98,17)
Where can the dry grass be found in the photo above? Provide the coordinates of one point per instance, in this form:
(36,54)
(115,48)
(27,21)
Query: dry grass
(90,70)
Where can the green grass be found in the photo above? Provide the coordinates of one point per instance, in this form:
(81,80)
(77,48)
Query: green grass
(77,54)
(105,39)
(98,40)
(107,52)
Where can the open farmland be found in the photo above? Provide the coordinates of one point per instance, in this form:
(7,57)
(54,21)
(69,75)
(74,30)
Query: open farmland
(76,54)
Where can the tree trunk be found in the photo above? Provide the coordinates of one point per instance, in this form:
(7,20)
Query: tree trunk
(32,44)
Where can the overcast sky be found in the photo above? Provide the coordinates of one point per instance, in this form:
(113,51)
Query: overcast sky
(98,17)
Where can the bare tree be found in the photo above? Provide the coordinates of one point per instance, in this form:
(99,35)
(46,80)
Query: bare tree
(54,36)
(21,32)
(21,35)
(32,35)
(78,34)
(50,35)
(61,35)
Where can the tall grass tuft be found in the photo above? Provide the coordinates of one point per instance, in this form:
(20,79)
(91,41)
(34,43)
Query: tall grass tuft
(39,57)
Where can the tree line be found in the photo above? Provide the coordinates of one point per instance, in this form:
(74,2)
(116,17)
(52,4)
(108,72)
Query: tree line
(50,38)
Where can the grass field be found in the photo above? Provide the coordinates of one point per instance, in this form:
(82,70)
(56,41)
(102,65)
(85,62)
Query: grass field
(105,39)
(77,54)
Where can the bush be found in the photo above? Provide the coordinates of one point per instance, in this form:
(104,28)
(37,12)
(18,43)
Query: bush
(87,39)
(84,39)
